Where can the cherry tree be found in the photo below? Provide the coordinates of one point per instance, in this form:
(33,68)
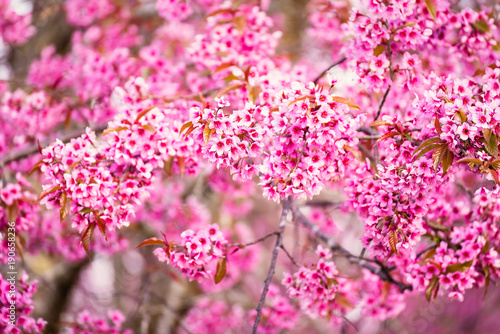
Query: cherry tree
(216,166)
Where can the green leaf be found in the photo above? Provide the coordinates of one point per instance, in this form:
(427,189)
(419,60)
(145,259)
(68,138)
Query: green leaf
(221,270)
(431,6)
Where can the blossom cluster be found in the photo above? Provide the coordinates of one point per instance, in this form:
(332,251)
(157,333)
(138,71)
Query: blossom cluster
(319,289)
(196,253)
(15,28)
(87,323)
(23,306)
(314,133)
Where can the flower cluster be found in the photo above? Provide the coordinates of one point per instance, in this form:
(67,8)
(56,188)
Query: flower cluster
(197,251)
(313,135)
(15,28)
(87,323)
(83,13)
(235,141)
(20,300)
(319,289)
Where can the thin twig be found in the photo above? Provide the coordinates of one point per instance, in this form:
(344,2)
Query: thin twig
(290,256)
(381,272)
(329,68)
(253,242)
(279,239)
(30,150)
(382,102)
(323,204)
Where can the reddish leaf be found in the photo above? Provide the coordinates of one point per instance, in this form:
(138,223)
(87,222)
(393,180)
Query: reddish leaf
(437,155)
(39,146)
(427,149)
(65,203)
(36,167)
(167,166)
(19,246)
(433,284)
(379,50)
(431,6)
(188,132)
(491,145)
(437,125)
(387,135)
(379,122)
(353,151)
(229,88)
(302,98)
(47,192)
(185,126)
(393,240)
(12,211)
(152,241)
(221,270)
(463,267)
(101,225)
(86,237)
(447,160)
(206,133)
(349,102)
(118,129)
(181,161)
(495,176)
(143,113)
(426,143)
(470,160)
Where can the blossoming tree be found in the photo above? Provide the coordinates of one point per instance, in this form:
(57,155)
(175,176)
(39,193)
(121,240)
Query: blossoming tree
(279,168)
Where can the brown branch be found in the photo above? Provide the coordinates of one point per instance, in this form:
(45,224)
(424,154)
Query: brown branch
(381,272)
(279,239)
(328,69)
(382,102)
(30,150)
(253,242)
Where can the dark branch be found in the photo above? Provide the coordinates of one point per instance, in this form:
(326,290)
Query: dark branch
(329,68)
(382,102)
(279,239)
(30,150)
(381,272)
(253,242)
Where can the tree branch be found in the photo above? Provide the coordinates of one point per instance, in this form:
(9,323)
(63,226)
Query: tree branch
(279,239)
(381,272)
(329,68)
(382,102)
(253,242)
(30,150)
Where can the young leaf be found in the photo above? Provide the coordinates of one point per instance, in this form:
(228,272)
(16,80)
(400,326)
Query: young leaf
(349,102)
(86,237)
(459,267)
(36,167)
(227,89)
(437,126)
(185,126)
(47,192)
(491,145)
(379,50)
(433,284)
(495,176)
(470,160)
(206,133)
(118,129)
(437,155)
(426,143)
(487,134)
(387,135)
(152,241)
(181,161)
(426,150)
(431,6)
(379,122)
(101,225)
(167,165)
(39,146)
(393,240)
(64,201)
(481,26)
(447,160)
(221,270)
(143,113)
